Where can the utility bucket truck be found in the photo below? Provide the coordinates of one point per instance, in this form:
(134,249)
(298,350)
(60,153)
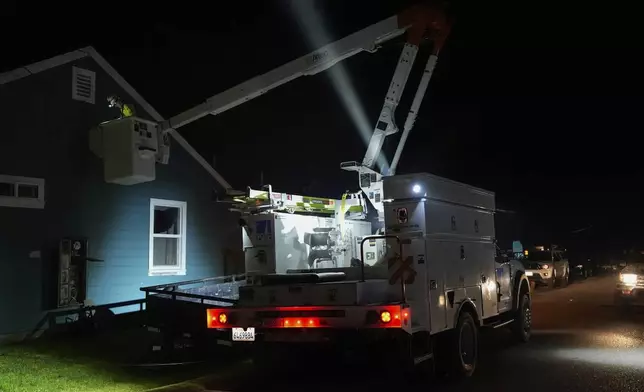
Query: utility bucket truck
(424,295)
(314,271)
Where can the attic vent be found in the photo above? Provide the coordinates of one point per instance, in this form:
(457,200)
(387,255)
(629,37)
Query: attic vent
(83,85)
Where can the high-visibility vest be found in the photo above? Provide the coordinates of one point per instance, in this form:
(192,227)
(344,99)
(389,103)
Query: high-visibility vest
(127,110)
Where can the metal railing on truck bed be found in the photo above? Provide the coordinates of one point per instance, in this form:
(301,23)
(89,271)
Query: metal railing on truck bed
(215,291)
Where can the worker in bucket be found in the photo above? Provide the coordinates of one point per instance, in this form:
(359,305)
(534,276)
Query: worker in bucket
(126,109)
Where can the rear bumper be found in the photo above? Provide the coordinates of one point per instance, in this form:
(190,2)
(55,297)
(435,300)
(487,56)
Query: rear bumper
(312,320)
(629,294)
(346,338)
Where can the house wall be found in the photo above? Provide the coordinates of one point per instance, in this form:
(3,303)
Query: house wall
(45,135)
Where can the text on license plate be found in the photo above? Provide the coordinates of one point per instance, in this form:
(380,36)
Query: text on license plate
(528,273)
(244,335)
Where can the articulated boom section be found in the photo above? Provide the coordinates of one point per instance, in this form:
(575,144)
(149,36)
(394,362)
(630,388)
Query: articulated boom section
(428,23)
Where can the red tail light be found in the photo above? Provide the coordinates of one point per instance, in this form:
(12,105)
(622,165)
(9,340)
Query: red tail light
(299,323)
(217,318)
(388,317)
(385,316)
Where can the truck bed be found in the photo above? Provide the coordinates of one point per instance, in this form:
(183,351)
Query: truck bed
(216,291)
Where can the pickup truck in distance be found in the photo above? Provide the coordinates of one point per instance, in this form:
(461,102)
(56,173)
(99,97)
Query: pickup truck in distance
(547,266)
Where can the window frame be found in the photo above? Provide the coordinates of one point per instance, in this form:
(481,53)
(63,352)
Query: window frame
(180,268)
(23,202)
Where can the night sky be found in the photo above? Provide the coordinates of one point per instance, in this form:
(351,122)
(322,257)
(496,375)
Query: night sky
(536,101)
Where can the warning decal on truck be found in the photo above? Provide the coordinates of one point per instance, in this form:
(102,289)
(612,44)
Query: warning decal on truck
(404,271)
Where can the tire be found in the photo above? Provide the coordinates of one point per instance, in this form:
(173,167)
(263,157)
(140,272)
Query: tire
(522,325)
(553,280)
(565,280)
(464,347)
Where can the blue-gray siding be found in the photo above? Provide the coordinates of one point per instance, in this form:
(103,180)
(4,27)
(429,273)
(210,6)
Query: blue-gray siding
(45,135)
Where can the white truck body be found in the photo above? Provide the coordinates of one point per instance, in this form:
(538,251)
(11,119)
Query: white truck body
(451,228)
(438,260)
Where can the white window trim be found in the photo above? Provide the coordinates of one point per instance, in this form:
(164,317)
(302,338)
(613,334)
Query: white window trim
(23,202)
(180,269)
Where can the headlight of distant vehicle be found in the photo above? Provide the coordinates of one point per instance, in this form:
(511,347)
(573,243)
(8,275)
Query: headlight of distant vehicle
(544,266)
(628,278)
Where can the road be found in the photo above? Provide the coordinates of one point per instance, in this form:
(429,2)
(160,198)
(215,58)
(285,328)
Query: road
(580,342)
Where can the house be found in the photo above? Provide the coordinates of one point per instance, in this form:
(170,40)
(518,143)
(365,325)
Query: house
(52,187)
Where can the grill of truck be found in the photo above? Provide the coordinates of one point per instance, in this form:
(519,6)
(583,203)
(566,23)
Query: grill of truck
(640,282)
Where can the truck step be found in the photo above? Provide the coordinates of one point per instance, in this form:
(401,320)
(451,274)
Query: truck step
(501,324)
(423,358)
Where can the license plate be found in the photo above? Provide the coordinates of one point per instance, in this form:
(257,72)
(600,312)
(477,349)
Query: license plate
(244,335)
(528,273)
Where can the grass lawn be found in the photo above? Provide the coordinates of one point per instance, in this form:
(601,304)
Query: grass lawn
(82,366)
(27,368)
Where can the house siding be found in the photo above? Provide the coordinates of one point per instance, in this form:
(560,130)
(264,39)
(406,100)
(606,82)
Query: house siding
(45,135)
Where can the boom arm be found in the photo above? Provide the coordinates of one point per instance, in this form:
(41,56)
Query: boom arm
(438,28)
(317,61)
(413,111)
(370,181)
(416,21)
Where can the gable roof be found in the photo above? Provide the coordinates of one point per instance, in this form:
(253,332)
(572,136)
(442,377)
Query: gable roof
(40,66)
(23,72)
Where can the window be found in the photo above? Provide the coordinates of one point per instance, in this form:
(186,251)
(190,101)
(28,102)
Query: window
(167,237)
(22,192)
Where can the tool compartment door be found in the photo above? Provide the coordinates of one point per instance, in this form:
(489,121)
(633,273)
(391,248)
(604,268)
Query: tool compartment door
(436,264)
(406,220)
(413,270)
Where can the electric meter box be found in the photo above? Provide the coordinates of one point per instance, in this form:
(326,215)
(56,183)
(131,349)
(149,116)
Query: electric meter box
(129,148)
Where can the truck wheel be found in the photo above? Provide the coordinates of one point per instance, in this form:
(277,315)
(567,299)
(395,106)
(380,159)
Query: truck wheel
(522,325)
(465,348)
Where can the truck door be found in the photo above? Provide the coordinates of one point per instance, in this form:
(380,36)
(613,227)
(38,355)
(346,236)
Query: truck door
(503,280)
(406,220)
(488,275)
